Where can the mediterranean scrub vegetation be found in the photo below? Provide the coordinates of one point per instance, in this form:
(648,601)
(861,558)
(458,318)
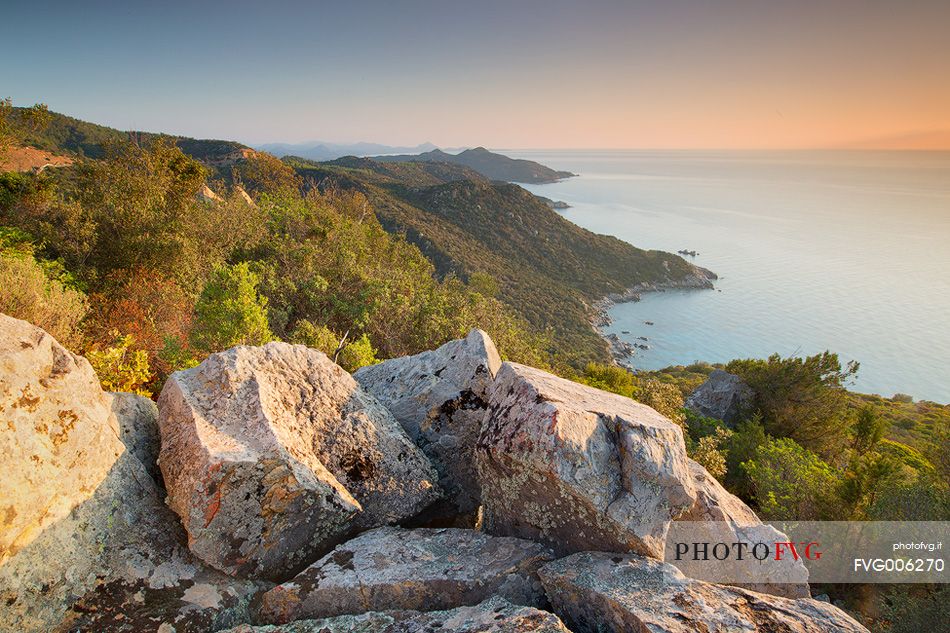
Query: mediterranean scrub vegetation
(122,260)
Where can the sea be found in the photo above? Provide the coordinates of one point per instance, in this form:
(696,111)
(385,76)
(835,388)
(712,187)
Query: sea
(847,251)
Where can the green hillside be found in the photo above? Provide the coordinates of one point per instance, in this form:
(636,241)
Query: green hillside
(66,135)
(489,164)
(547,268)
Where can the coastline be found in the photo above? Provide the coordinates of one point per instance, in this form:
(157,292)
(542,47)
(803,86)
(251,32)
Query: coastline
(620,350)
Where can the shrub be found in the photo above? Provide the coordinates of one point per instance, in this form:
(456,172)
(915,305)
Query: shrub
(356,354)
(665,398)
(801,398)
(120,367)
(709,452)
(28,292)
(792,483)
(609,378)
(230,311)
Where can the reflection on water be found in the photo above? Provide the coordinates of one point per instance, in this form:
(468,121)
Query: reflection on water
(847,251)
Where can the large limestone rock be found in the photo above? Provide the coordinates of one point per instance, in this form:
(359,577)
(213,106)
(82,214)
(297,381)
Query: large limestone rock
(138,428)
(84,524)
(597,592)
(495,615)
(723,396)
(578,468)
(421,569)
(272,454)
(439,397)
(59,437)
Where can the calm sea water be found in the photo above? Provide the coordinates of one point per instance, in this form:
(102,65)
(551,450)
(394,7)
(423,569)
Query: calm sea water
(847,251)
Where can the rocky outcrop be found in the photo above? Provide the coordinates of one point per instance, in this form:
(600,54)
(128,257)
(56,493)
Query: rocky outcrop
(84,524)
(597,592)
(494,615)
(207,194)
(723,396)
(578,468)
(272,454)
(421,569)
(439,397)
(137,417)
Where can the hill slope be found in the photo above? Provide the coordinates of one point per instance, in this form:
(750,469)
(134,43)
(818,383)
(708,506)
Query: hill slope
(489,164)
(67,135)
(547,268)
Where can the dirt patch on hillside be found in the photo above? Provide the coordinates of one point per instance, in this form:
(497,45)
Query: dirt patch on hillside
(31,159)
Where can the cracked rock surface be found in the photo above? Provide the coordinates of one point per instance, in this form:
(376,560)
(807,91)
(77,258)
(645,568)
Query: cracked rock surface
(420,569)
(578,468)
(86,535)
(600,592)
(439,397)
(495,615)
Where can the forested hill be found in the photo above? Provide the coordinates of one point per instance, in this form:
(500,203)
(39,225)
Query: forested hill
(547,268)
(66,135)
(489,164)
(498,239)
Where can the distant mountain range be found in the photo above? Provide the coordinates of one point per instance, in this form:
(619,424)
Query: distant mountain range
(329,151)
(454,208)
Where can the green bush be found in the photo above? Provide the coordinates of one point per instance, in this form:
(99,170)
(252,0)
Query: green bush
(121,367)
(28,291)
(801,398)
(790,482)
(230,311)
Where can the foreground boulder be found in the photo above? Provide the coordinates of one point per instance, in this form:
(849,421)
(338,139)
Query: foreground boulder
(60,438)
(578,468)
(84,525)
(421,569)
(439,397)
(723,396)
(272,454)
(597,592)
(495,615)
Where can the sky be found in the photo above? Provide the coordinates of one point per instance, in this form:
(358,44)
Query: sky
(509,74)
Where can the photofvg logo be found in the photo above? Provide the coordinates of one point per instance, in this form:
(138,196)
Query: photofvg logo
(740,551)
(810,551)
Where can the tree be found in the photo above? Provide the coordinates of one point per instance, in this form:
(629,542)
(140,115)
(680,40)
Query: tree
(868,430)
(152,309)
(230,311)
(792,483)
(801,398)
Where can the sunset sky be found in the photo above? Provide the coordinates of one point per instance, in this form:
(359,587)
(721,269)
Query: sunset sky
(510,74)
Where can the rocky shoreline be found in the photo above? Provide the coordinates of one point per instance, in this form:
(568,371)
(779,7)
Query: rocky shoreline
(620,350)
